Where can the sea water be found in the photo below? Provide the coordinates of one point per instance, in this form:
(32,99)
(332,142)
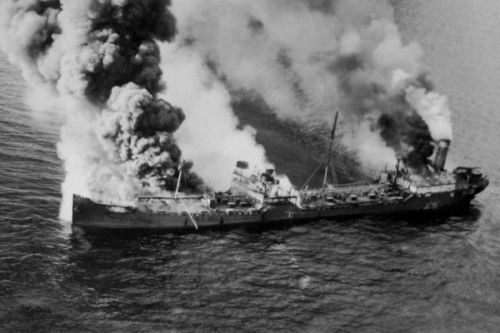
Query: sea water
(368,275)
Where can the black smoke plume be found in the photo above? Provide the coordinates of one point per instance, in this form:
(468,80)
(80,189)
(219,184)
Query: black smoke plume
(308,58)
(399,124)
(103,56)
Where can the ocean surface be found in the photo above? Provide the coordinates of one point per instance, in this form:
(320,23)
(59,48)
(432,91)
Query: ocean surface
(362,275)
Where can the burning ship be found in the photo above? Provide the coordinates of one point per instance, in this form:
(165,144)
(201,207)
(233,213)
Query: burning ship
(110,78)
(257,198)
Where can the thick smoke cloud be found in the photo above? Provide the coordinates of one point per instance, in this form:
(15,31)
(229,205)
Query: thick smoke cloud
(100,62)
(308,58)
(390,114)
(211,135)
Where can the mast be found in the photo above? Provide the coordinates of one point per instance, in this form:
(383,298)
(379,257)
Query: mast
(178,180)
(191,218)
(397,172)
(330,151)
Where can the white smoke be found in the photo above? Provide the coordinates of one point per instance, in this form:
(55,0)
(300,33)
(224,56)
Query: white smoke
(304,58)
(372,151)
(291,52)
(117,141)
(434,109)
(210,136)
(96,62)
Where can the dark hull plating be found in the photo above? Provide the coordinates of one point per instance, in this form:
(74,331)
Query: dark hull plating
(91,216)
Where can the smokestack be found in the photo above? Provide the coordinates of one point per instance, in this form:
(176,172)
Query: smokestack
(441,154)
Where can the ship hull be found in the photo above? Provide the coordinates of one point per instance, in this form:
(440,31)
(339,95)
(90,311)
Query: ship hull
(94,217)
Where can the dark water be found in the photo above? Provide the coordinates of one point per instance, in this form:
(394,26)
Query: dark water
(439,275)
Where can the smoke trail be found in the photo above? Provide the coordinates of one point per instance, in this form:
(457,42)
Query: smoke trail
(99,60)
(306,58)
(99,63)
(210,136)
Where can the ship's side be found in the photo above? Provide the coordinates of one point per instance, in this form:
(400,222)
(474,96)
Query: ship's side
(259,199)
(90,215)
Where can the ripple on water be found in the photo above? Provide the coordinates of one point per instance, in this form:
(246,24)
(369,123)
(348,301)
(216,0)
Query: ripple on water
(358,275)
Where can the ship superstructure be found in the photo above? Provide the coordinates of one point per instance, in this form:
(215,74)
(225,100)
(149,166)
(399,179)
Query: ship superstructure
(256,198)
(261,197)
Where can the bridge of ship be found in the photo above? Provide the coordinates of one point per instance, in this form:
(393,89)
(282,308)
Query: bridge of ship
(426,188)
